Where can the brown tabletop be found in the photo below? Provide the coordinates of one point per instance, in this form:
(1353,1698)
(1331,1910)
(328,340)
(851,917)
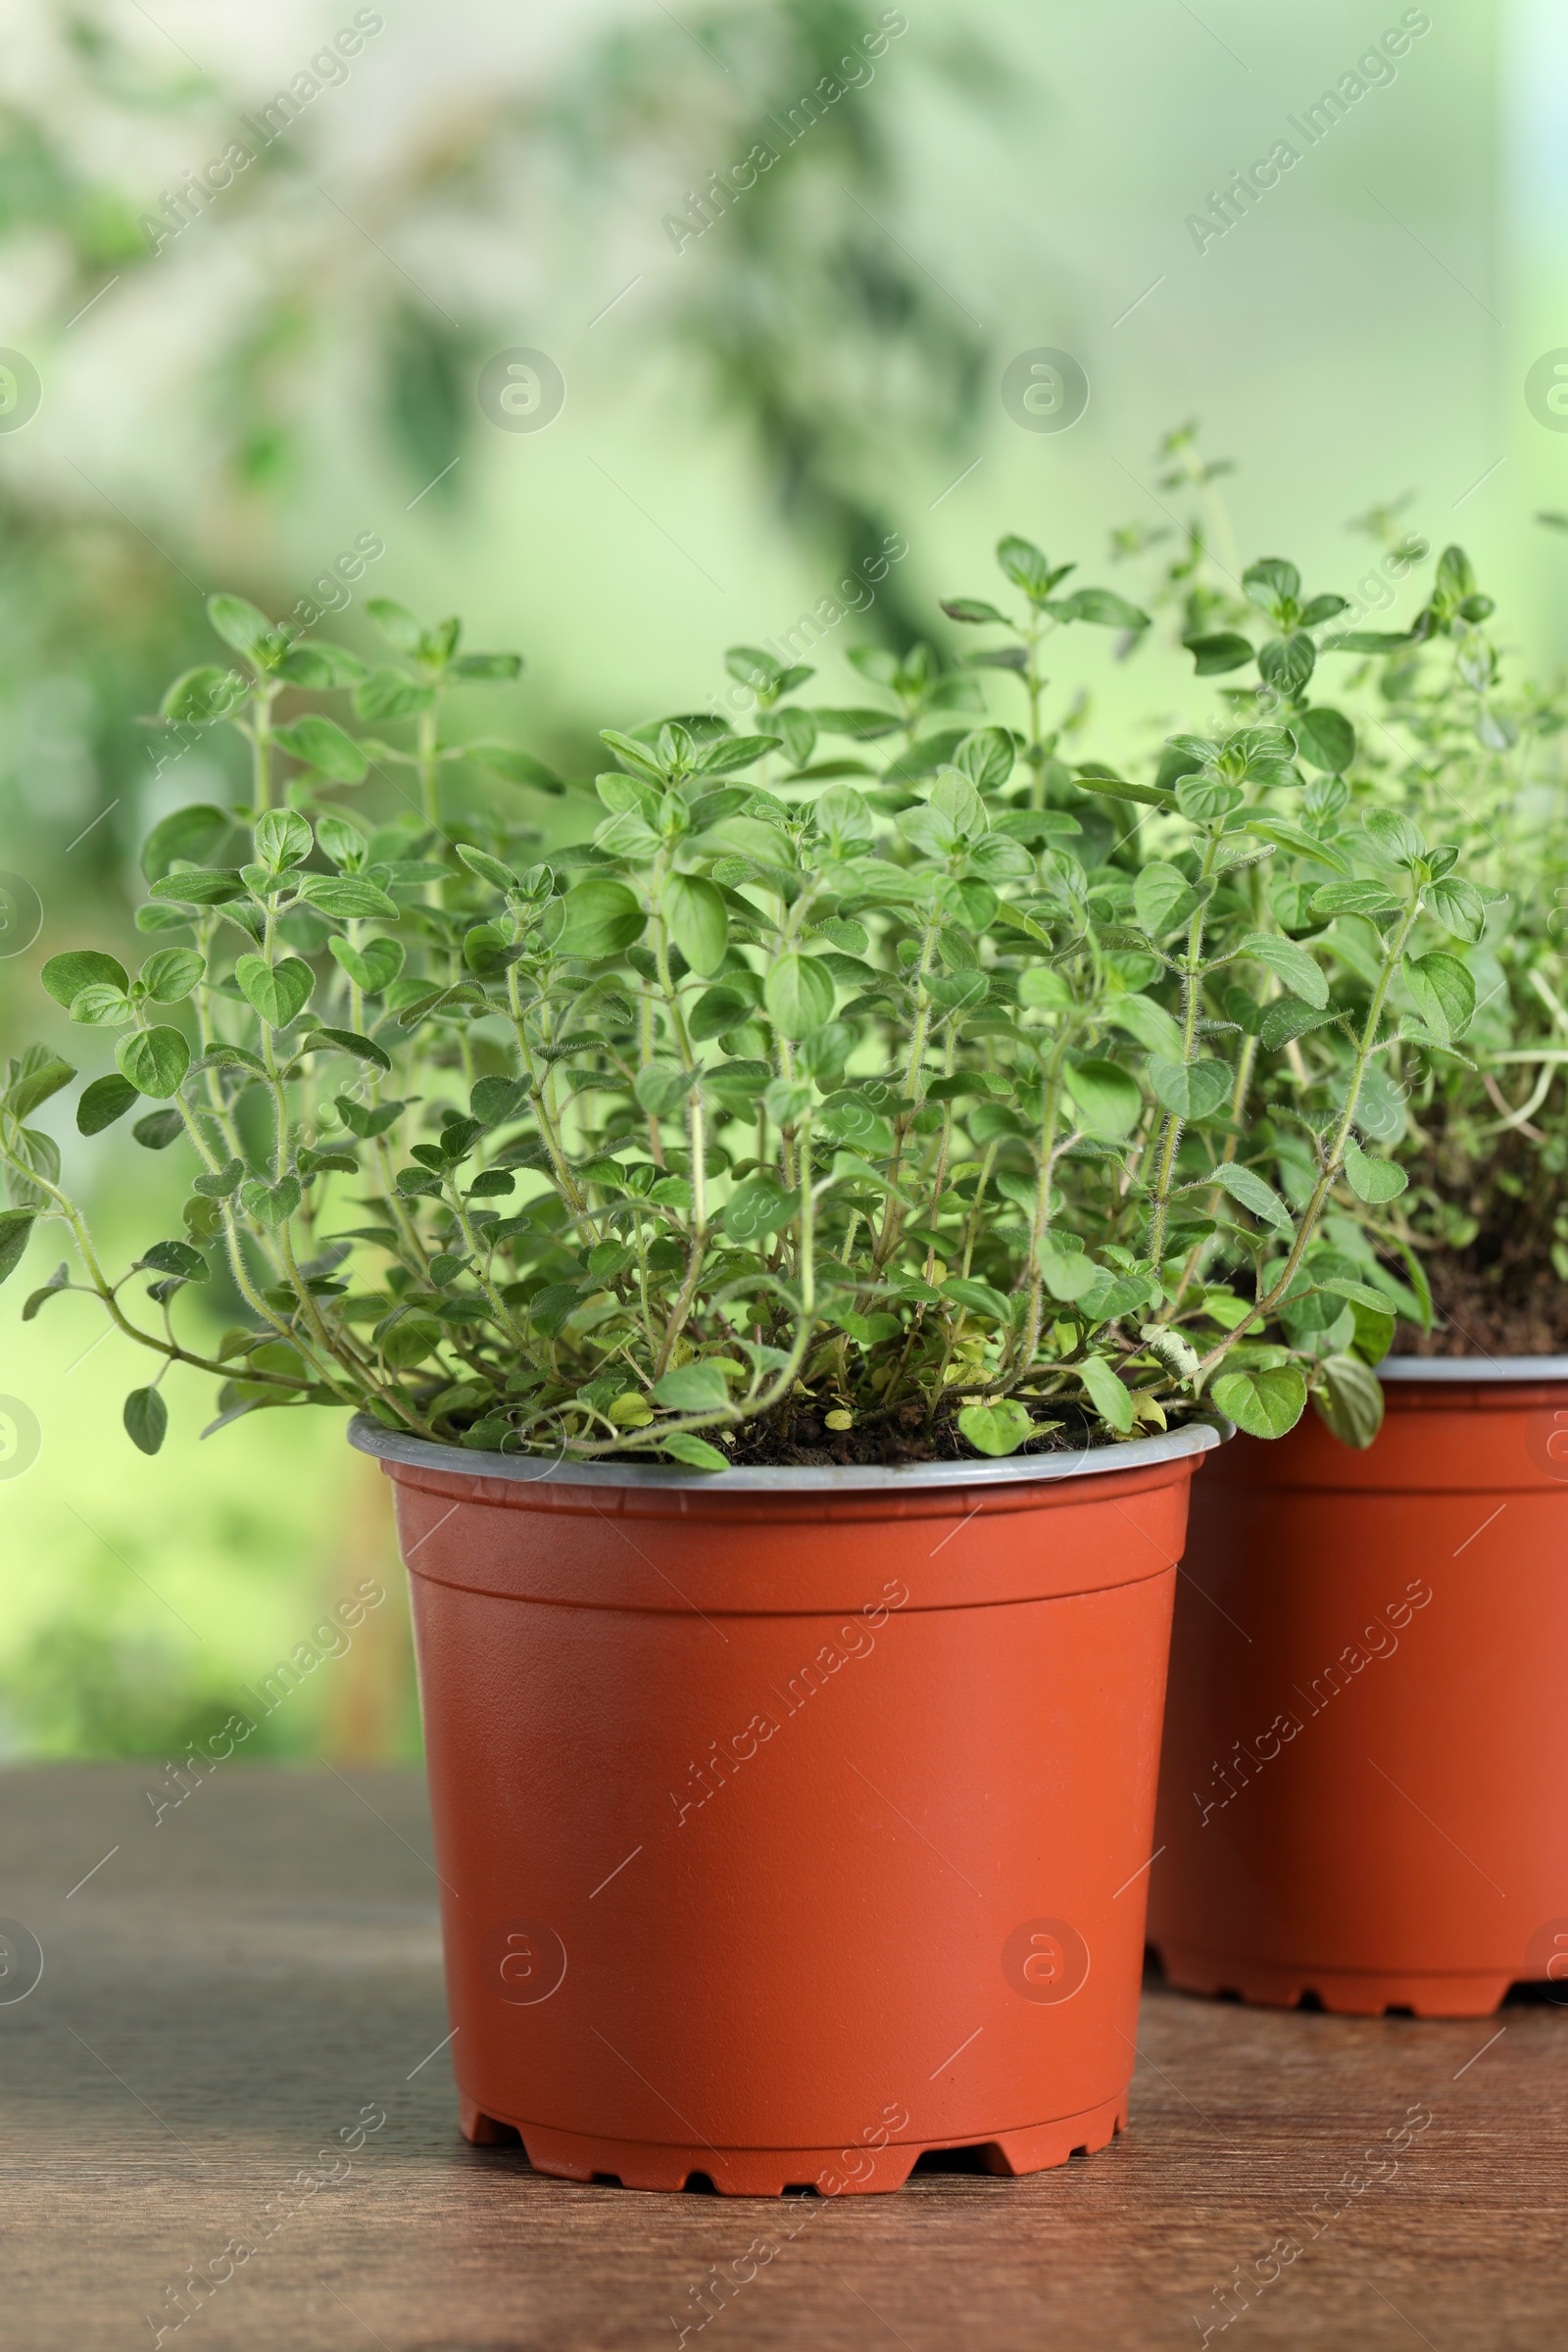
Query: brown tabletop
(248,1981)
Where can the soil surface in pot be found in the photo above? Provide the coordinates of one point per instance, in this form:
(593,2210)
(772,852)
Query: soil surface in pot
(1496,1297)
(801,1437)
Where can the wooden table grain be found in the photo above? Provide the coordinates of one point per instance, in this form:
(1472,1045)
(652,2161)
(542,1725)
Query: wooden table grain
(229,1991)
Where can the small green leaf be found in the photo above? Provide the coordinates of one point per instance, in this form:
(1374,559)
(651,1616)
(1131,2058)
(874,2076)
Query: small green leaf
(1246,1186)
(693,1389)
(200,885)
(1291,964)
(387,694)
(158,1130)
(698,921)
(1100,780)
(717,1010)
(1149,1023)
(346,897)
(1110,1399)
(65,976)
(16,1224)
(395,623)
(694,1451)
(98,1007)
(176,1257)
(1219,651)
(247,630)
(489,869)
(146,1418)
(1271,580)
(1285,834)
(1068,1273)
(347,1041)
(171,974)
(1287,1019)
(996,1428)
(1355,897)
(219,1185)
(977,1297)
(155,1060)
(1443,992)
(1359,1293)
(1287,663)
(277,992)
(1351,1401)
(371,966)
(1101,605)
(728,753)
(1458,906)
(1374,1332)
(1108,1098)
(1372,1180)
(1163,898)
(270,1204)
(757,1207)
(972,608)
(662,1087)
(58,1280)
(1265,1404)
(282,839)
(1044,990)
(103,1102)
(35,1085)
(799,994)
(1026,566)
(201,697)
(317,666)
(194,833)
(1190,1089)
(323,744)
(599,918)
(1204,800)
(1324,737)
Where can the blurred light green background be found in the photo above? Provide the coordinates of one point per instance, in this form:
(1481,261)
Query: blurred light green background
(747,412)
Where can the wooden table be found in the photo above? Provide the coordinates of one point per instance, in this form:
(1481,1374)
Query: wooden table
(230,1989)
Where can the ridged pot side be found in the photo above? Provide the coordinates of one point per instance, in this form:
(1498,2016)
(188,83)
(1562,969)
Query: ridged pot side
(1365,1737)
(786,1834)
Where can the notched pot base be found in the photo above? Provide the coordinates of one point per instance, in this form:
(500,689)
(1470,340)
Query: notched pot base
(1340,1992)
(773,2172)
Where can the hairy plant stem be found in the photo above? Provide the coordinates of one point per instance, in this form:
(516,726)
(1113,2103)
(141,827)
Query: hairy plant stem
(1192,970)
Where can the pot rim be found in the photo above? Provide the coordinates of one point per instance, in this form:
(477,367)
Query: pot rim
(1473,1367)
(1140,1453)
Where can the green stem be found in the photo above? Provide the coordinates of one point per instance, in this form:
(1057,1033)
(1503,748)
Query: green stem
(1333,1156)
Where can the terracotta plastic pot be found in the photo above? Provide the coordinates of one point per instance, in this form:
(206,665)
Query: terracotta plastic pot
(792,1823)
(1366,1739)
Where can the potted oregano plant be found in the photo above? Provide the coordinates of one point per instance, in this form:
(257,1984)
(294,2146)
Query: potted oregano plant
(764,1242)
(1380,1836)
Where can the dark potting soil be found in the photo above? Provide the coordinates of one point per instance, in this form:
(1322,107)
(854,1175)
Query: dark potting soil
(1497,1299)
(803,1440)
